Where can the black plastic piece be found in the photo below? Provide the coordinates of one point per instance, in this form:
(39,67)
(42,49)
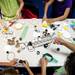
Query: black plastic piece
(22,61)
(58,49)
(7,52)
(45,45)
(30,43)
(38,52)
(52,26)
(73,39)
(20,39)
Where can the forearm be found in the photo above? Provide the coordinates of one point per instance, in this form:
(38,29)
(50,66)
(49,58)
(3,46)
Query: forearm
(46,7)
(70,46)
(6,64)
(21,5)
(64,16)
(29,71)
(43,71)
(59,18)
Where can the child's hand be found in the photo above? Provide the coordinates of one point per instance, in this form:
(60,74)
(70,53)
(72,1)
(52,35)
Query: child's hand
(59,40)
(18,15)
(44,19)
(49,21)
(26,64)
(43,62)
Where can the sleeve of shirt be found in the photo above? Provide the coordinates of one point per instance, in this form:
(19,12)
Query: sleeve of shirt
(60,71)
(68,3)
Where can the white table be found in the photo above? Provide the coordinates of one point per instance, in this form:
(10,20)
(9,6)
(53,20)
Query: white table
(25,54)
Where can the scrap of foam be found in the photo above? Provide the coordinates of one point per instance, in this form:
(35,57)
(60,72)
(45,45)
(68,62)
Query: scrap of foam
(44,24)
(36,34)
(11,56)
(7,48)
(66,34)
(18,26)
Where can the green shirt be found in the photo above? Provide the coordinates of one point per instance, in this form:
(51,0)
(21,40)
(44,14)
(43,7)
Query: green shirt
(60,71)
(9,8)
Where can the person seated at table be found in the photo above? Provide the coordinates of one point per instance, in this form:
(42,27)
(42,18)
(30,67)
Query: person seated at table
(30,8)
(12,71)
(60,10)
(69,64)
(68,69)
(11,9)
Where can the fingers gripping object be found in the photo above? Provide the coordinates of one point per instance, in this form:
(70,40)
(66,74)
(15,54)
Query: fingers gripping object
(20,62)
(49,58)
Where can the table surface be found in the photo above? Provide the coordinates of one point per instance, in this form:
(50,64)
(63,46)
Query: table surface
(27,33)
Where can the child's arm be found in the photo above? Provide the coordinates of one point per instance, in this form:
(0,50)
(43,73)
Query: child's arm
(28,69)
(64,16)
(65,43)
(43,63)
(11,63)
(70,45)
(20,8)
(46,7)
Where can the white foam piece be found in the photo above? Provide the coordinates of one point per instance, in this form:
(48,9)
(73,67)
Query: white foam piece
(11,56)
(18,25)
(36,34)
(7,48)
(50,31)
(66,34)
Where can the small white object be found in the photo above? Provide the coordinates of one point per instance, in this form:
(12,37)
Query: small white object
(7,48)
(36,34)
(39,39)
(18,26)
(66,34)
(11,56)
(50,31)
